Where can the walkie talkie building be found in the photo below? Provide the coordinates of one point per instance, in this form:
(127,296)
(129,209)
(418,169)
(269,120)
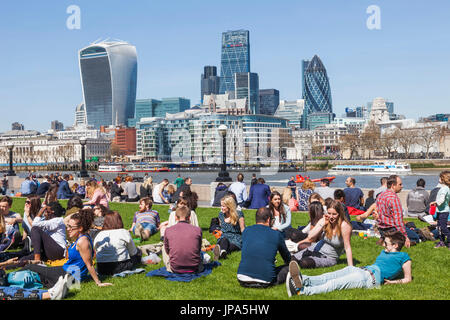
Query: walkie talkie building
(108,71)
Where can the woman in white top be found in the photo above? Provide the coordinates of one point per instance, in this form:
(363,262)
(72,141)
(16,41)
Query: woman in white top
(114,247)
(158,196)
(48,233)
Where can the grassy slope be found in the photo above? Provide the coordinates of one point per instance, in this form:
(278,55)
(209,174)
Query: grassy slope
(431,275)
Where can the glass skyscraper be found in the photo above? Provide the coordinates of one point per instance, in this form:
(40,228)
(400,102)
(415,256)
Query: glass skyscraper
(316,90)
(210,82)
(247,86)
(269,99)
(108,72)
(235,57)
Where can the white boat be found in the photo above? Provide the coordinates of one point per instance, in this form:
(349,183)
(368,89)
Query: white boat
(109,168)
(378,168)
(145,168)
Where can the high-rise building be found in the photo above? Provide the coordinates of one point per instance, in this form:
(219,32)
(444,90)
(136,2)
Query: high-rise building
(317,119)
(292,111)
(390,107)
(246,85)
(108,77)
(210,82)
(57,126)
(235,57)
(269,99)
(305,64)
(316,90)
(171,105)
(144,108)
(125,139)
(80,116)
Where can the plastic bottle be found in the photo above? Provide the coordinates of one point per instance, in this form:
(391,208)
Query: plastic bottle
(152,258)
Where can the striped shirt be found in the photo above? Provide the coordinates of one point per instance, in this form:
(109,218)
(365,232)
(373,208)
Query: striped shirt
(151,216)
(390,212)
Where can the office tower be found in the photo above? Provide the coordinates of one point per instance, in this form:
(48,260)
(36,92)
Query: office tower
(269,99)
(235,57)
(390,107)
(316,90)
(317,119)
(57,126)
(246,85)
(171,105)
(210,82)
(144,108)
(292,111)
(17,126)
(80,115)
(108,77)
(305,64)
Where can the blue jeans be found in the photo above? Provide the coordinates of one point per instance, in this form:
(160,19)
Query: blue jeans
(148,226)
(442,218)
(348,278)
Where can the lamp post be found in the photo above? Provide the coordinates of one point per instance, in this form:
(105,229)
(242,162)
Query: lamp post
(83,171)
(223,174)
(11,170)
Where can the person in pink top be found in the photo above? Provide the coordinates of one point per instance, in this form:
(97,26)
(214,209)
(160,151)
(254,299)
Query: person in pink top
(97,195)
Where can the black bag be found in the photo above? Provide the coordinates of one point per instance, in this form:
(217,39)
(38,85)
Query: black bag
(214,225)
(3,278)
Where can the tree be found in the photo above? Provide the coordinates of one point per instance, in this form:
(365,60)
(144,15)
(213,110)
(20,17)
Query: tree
(428,137)
(406,138)
(388,142)
(351,142)
(370,138)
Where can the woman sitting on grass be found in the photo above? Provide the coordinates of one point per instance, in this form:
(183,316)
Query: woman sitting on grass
(31,208)
(388,265)
(116,251)
(232,224)
(304,193)
(145,221)
(281,213)
(80,254)
(335,231)
(289,199)
(97,195)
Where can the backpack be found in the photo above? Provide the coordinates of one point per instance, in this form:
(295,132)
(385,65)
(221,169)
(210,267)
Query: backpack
(24,279)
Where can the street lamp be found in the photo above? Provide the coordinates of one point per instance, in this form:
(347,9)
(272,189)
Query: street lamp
(223,174)
(11,170)
(83,171)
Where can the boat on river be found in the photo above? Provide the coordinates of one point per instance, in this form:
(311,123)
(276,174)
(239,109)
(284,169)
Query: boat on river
(377,168)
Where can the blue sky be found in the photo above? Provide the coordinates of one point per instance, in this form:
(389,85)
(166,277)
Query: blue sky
(407,61)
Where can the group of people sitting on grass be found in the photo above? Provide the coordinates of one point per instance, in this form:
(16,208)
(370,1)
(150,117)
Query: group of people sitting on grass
(97,232)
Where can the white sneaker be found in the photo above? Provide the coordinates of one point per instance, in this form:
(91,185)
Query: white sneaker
(69,280)
(59,290)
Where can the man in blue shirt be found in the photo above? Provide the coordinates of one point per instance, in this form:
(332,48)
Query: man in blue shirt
(260,244)
(64,191)
(293,185)
(354,197)
(259,195)
(25,187)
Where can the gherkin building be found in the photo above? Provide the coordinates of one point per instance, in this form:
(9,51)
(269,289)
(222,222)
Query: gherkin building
(316,89)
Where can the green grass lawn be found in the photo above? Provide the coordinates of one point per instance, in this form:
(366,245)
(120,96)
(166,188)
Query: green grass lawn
(430,270)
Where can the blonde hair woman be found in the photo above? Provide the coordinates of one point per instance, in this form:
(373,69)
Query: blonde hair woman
(146,189)
(232,224)
(97,194)
(304,193)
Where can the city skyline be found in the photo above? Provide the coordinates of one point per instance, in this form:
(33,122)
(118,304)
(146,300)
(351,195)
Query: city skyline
(404,61)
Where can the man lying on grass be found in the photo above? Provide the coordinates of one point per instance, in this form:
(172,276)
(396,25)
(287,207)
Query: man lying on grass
(386,268)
